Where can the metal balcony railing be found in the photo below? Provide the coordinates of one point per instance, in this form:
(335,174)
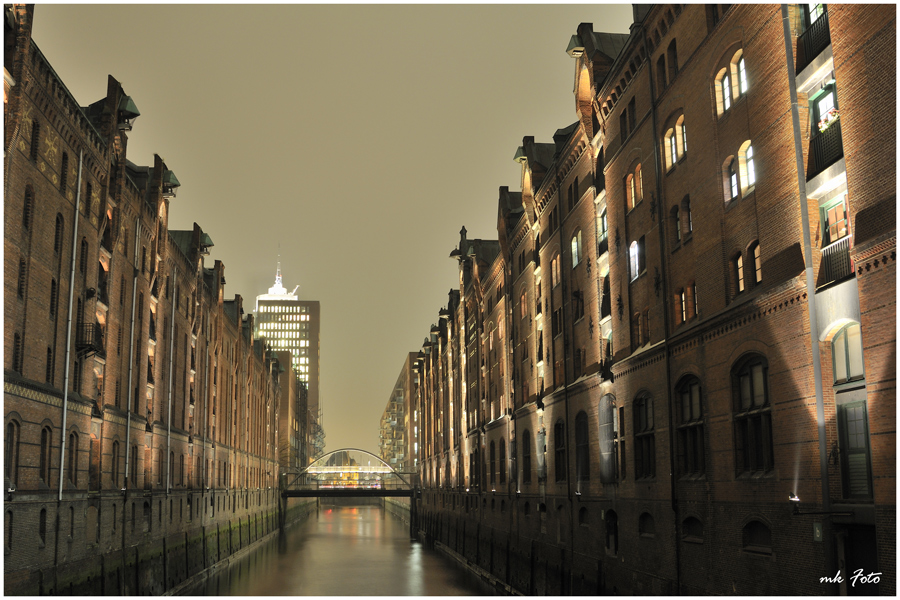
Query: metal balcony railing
(825,149)
(836,264)
(89,338)
(811,42)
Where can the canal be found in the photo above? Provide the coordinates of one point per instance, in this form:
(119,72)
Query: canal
(343,551)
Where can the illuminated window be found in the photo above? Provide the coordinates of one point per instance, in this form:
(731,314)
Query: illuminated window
(576,249)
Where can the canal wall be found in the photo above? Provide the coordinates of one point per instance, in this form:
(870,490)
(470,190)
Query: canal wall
(161,554)
(398,507)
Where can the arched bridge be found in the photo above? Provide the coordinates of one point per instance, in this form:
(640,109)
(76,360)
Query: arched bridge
(348,472)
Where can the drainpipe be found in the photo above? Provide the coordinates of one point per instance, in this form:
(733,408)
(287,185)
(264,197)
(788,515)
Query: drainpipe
(657,163)
(807,253)
(137,239)
(65,404)
(171,362)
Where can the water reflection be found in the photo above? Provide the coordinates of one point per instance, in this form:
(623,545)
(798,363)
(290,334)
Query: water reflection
(344,551)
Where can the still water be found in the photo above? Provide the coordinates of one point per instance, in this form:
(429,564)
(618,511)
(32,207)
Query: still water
(344,551)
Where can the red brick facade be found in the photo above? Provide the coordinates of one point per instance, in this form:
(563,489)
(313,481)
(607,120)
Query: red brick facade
(688,317)
(141,443)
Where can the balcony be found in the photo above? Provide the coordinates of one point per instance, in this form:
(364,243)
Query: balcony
(825,149)
(89,339)
(811,42)
(836,264)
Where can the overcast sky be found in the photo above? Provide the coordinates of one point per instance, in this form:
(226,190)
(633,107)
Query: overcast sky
(359,139)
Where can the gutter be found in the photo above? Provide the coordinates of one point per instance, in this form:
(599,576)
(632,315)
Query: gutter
(171,373)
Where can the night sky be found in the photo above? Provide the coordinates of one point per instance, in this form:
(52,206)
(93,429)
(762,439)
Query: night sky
(357,139)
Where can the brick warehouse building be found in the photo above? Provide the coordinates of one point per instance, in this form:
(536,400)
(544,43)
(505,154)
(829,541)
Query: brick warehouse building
(688,318)
(141,444)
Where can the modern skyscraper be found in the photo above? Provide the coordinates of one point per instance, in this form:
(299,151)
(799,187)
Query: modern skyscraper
(288,323)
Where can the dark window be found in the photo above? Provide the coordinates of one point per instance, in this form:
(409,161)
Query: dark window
(53,297)
(672,59)
(757,538)
(692,530)
(82,263)
(526,457)
(72,458)
(493,462)
(114,475)
(64,173)
(632,115)
(35,139)
(646,525)
(612,532)
(58,236)
(752,416)
(11,453)
(42,526)
(502,460)
(17,353)
(582,448)
(20,288)
(691,456)
(44,466)
(644,438)
(559,444)
(609,439)
(49,373)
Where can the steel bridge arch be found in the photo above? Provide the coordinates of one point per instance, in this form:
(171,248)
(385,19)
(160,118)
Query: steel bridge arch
(324,458)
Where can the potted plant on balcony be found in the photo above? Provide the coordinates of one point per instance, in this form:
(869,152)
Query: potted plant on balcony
(828,119)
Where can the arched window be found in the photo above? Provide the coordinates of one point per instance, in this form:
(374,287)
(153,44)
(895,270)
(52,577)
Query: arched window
(646,526)
(672,59)
(11,453)
(493,462)
(661,73)
(752,416)
(676,218)
(559,446)
(731,180)
(582,449)
(73,458)
(757,538)
(583,519)
(681,136)
(523,306)
(115,464)
(35,138)
(751,166)
(644,438)
(847,354)
(64,173)
(688,223)
(53,297)
(48,376)
(576,248)
(17,353)
(756,272)
(554,271)
(634,260)
(502,460)
(724,91)
(58,235)
(692,530)
(742,76)
(737,273)
(746,168)
(526,457)
(23,279)
(670,148)
(44,465)
(82,262)
(689,410)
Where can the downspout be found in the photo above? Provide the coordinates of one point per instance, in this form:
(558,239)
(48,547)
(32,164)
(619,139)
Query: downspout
(171,373)
(128,408)
(137,238)
(807,253)
(65,403)
(657,164)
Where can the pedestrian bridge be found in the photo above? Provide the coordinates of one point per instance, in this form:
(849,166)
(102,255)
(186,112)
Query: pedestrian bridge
(348,472)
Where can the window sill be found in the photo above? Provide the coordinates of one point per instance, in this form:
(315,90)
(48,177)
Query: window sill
(759,552)
(687,237)
(636,204)
(692,539)
(682,158)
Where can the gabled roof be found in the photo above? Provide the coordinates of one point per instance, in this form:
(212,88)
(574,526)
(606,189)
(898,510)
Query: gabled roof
(182,241)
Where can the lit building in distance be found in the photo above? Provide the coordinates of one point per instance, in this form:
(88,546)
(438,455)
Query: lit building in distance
(290,324)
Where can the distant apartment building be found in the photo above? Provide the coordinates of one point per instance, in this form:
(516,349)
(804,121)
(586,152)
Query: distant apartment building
(398,422)
(673,372)
(290,324)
